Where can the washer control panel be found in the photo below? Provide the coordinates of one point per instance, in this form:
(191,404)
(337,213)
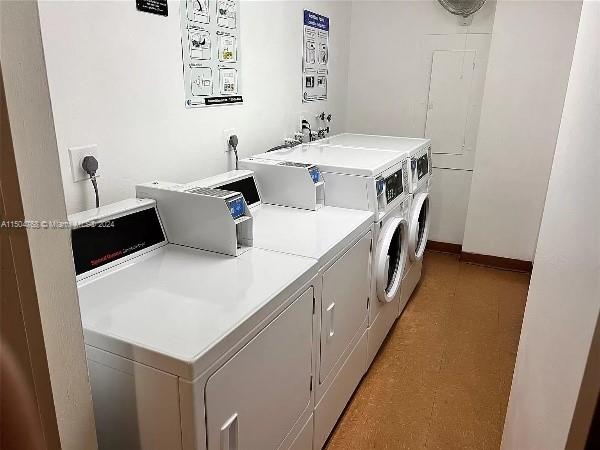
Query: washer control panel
(394,186)
(421,165)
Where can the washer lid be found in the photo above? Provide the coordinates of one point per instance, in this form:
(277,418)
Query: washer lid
(320,234)
(419,226)
(390,258)
(351,161)
(179,309)
(375,142)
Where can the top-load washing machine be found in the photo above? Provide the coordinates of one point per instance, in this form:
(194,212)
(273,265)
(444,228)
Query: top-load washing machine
(419,151)
(370,181)
(191,349)
(340,240)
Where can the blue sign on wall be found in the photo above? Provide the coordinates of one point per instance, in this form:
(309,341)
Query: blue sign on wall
(315,20)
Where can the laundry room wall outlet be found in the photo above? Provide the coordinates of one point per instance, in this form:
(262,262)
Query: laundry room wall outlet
(306,115)
(76,155)
(226,135)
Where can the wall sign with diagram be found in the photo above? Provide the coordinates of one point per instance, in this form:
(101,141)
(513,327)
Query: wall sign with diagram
(210,36)
(315,60)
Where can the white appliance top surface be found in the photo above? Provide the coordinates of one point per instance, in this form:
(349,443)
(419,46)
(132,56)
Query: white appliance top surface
(180,309)
(373,142)
(344,160)
(317,234)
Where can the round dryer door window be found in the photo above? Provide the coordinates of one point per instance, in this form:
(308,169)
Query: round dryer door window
(419,226)
(390,258)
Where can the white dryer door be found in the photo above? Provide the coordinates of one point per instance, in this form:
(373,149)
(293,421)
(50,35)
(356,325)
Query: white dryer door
(390,258)
(344,303)
(255,398)
(419,226)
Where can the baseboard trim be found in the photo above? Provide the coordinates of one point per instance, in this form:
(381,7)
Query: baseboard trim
(497,262)
(444,247)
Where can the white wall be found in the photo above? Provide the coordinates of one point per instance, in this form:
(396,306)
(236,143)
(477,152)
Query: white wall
(116,80)
(391,44)
(528,68)
(390,50)
(564,297)
(51,296)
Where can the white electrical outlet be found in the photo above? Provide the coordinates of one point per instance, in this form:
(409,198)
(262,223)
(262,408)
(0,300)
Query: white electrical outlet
(76,155)
(306,115)
(226,134)
(310,118)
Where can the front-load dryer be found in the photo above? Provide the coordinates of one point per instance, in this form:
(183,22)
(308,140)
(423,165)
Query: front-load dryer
(419,152)
(371,181)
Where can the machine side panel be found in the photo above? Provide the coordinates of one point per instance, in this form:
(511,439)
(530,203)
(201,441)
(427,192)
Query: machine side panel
(135,406)
(347,191)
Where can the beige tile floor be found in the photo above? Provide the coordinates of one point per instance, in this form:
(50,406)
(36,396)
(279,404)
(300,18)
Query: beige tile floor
(442,378)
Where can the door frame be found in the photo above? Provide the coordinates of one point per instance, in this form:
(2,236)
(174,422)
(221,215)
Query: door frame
(44,285)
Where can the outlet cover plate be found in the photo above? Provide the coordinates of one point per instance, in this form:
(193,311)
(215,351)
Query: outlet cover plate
(76,155)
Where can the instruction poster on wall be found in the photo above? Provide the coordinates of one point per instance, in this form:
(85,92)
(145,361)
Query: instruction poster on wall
(315,61)
(210,37)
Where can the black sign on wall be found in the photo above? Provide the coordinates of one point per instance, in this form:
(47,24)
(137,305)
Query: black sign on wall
(159,7)
(225,100)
